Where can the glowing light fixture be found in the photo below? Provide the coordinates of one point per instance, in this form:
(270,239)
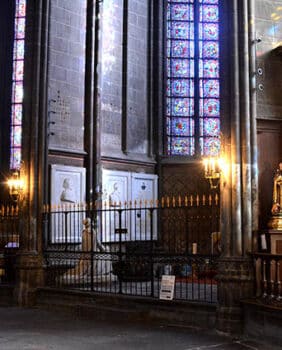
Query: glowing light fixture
(213,167)
(16,186)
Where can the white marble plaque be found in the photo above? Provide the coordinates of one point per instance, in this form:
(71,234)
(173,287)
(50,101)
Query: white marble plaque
(121,187)
(67,190)
(116,187)
(144,191)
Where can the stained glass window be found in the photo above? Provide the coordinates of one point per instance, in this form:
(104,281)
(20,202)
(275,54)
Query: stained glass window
(17,84)
(192,78)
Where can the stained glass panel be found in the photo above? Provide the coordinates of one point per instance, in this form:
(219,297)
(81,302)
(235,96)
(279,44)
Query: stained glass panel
(208,31)
(209,1)
(181,146)
(17,114)
(18,70)
(180,87)
(209,49)
(16,136)
(209,88)
(20,28)
(19,49)
(182,49)
(208,69)
(180,12)
(209,107)
(20,10)
(209,127)
(208,13)
(182,107)
(15,158)
(182,68)
(178,30)
(210,146)
(180,126)
(186,1)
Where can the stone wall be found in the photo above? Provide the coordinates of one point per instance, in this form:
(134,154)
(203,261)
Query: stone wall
(66,73)
(124,79)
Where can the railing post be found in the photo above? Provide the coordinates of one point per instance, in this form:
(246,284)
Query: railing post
(120,250)
(151,250)
(264,280)
(92,254)
(278,283)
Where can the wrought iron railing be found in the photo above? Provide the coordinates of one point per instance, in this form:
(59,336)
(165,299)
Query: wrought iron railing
(126,248)
(9,242)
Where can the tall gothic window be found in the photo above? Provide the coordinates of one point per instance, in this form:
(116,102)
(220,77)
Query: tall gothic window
(17,84)
(192,78)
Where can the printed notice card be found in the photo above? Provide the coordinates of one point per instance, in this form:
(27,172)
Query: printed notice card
(167,287)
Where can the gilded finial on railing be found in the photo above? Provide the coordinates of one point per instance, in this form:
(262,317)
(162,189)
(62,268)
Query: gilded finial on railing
(191,200)
(167,201)
(210,199)
(179,201)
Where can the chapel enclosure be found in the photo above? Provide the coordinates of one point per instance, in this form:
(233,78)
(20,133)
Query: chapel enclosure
(125,248)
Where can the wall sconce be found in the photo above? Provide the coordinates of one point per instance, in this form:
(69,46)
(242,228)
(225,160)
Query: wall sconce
(213,168)
(16,186)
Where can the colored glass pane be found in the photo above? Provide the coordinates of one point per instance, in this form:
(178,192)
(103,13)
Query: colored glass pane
(180,107)
(209,1)
(178,30)
(209,88)
(180,146)
(181,49)
(18,70)
(208,31)
(16,136)
(180,87)
(15,159)
(180,12)
(181,68)
(208,13)
(208,69)
(17,114)
(209,107)
(186,1)
(19,49)
(209,127)
(20,28)
(210,146)
(18,92)
(20,10)
(208,49)
(180,126)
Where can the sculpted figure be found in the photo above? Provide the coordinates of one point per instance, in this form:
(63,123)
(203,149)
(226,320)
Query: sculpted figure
(68,194)
(101,266)
(275,221)
(277,191)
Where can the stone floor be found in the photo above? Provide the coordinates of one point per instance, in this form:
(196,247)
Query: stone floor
(35,329)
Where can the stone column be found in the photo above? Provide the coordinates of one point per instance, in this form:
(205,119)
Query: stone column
(238,183)
(29,262)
